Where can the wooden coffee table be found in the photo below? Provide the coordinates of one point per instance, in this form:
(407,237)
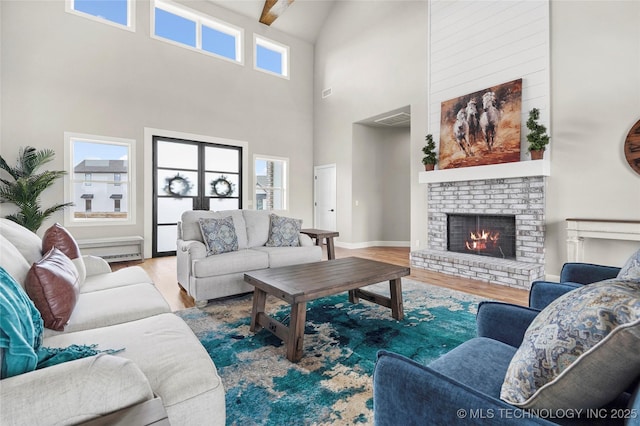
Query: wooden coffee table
(299,284)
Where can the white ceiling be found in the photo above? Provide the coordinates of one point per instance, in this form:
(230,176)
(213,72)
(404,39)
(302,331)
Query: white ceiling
(303,18)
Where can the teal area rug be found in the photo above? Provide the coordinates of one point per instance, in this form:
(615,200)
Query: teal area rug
(332,384)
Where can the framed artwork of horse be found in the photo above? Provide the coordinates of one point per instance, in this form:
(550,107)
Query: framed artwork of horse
(482,127)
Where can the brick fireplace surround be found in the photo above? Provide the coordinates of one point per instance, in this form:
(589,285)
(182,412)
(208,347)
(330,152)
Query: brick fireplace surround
(523,197)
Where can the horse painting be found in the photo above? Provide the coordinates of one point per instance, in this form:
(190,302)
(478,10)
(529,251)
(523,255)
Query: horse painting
(482,127)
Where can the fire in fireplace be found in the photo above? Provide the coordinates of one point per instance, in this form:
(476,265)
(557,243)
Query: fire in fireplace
(485,235)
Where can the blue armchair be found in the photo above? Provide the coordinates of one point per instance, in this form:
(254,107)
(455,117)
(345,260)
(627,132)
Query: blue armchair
(463,386)
(573,275)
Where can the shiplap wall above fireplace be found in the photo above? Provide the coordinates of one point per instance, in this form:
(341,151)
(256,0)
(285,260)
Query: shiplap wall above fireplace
(472,46)
(478,44)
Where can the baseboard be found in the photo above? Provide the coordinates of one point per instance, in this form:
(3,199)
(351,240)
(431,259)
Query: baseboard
(367,244)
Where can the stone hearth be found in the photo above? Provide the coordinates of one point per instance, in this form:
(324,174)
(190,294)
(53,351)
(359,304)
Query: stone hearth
(523,197)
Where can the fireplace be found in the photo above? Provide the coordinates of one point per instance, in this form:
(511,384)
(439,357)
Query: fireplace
(481,234)
(521,198)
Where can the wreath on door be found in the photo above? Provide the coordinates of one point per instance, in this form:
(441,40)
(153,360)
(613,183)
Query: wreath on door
(177,186)
(222,187)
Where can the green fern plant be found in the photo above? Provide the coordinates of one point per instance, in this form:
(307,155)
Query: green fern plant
(26,186)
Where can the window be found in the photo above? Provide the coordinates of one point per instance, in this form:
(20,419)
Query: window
(270,183)
(271,57)
(187,28)
(100,180)
(119,13)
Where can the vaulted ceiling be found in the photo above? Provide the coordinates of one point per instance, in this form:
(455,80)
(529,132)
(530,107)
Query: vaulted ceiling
(302,18)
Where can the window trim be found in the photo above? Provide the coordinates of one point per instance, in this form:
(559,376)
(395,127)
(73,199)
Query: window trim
(69,219)
(283,49)
(131,15)
(285,185)
(200,19)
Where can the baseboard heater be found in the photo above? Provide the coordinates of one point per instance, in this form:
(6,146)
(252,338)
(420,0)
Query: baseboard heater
(114,249)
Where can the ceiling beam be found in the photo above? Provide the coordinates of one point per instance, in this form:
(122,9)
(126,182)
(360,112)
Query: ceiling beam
(272,9)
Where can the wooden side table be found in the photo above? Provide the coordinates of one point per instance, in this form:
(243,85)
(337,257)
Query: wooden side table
(318,235)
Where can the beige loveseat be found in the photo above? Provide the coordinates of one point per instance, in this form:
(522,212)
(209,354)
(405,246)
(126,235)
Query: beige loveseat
(210,277)
(161,358)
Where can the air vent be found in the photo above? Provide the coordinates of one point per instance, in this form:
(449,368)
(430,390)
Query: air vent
(326,93)
(398,119)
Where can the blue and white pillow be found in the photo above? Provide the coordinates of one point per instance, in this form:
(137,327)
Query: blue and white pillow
(581,351)
(284,232)
(219,235)
(631,270)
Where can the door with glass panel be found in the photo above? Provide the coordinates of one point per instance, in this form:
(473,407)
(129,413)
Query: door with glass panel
(191,175)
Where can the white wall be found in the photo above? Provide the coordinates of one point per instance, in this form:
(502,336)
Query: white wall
(381,185)
(373,57)
(62,72)
(595,99)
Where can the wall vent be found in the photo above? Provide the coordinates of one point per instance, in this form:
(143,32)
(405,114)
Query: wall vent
(398,119)
(326,93)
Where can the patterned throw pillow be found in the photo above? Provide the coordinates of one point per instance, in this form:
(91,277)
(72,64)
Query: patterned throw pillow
(284,232)
(219,235)
(631,270)
(581,351)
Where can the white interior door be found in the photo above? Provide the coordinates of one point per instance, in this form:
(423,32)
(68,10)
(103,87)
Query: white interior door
(324,190)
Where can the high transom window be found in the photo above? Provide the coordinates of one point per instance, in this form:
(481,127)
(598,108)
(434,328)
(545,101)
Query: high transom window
(270,56)
(184,27)
(114,12)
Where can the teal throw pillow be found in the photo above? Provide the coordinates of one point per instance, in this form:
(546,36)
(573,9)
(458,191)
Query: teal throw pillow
(284,232)
(631,269)
(219,235)
(580,352)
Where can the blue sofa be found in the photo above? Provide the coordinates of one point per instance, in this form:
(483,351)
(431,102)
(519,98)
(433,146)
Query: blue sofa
(463,386)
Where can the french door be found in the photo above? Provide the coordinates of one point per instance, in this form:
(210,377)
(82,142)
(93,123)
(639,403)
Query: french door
(191,175)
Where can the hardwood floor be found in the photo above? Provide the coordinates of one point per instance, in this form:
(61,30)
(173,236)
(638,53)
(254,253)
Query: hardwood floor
(163,272)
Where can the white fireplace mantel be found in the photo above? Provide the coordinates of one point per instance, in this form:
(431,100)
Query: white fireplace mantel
(491,171)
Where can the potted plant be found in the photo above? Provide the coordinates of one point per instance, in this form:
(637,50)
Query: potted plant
(537,137)
(26,186)
(429,160)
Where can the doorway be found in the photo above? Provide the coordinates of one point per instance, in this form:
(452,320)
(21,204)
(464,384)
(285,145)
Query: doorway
(191,175)
(324,204)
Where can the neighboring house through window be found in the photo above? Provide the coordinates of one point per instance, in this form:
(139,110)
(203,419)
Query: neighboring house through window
(100,179)
(271,179)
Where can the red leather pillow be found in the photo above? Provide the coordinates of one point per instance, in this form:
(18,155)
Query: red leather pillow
(52,284)
(58,236)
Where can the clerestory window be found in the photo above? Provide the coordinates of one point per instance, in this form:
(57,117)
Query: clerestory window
(187,28)
(119,13)
(270,57)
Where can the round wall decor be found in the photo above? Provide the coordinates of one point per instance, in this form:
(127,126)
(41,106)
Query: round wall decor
(632,147)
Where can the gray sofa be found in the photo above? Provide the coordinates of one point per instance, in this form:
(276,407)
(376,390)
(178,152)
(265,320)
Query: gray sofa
(211,277)
(162,360)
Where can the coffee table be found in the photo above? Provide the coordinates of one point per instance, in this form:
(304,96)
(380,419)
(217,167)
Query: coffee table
(299,284)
